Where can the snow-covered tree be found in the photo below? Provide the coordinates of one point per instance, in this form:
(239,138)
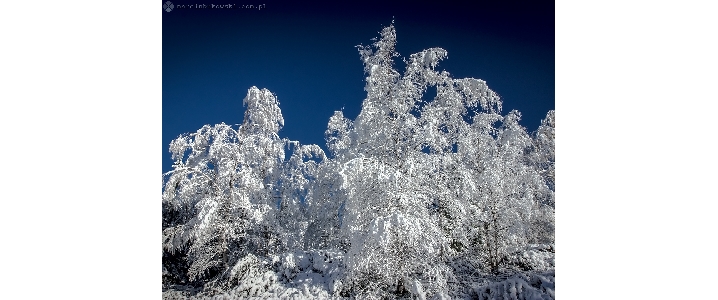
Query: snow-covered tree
(406,208)
(412,191)
(295,186)
(542,157)
(221,189)
(544,154)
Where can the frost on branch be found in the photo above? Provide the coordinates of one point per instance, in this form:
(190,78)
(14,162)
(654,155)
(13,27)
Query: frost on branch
(337,134)
(422,196)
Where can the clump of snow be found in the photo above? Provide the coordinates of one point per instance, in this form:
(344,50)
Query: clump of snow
(417,290)
(535,257)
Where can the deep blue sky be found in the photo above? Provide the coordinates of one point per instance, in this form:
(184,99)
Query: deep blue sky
(306,55)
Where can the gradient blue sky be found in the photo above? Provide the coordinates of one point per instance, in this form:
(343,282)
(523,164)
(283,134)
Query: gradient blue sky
(305,54)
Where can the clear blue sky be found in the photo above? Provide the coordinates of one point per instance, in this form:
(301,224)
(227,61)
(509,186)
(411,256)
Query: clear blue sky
(305,54)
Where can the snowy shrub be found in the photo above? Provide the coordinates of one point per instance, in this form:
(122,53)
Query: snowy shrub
(535,257)
(316,268)
(519,287)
